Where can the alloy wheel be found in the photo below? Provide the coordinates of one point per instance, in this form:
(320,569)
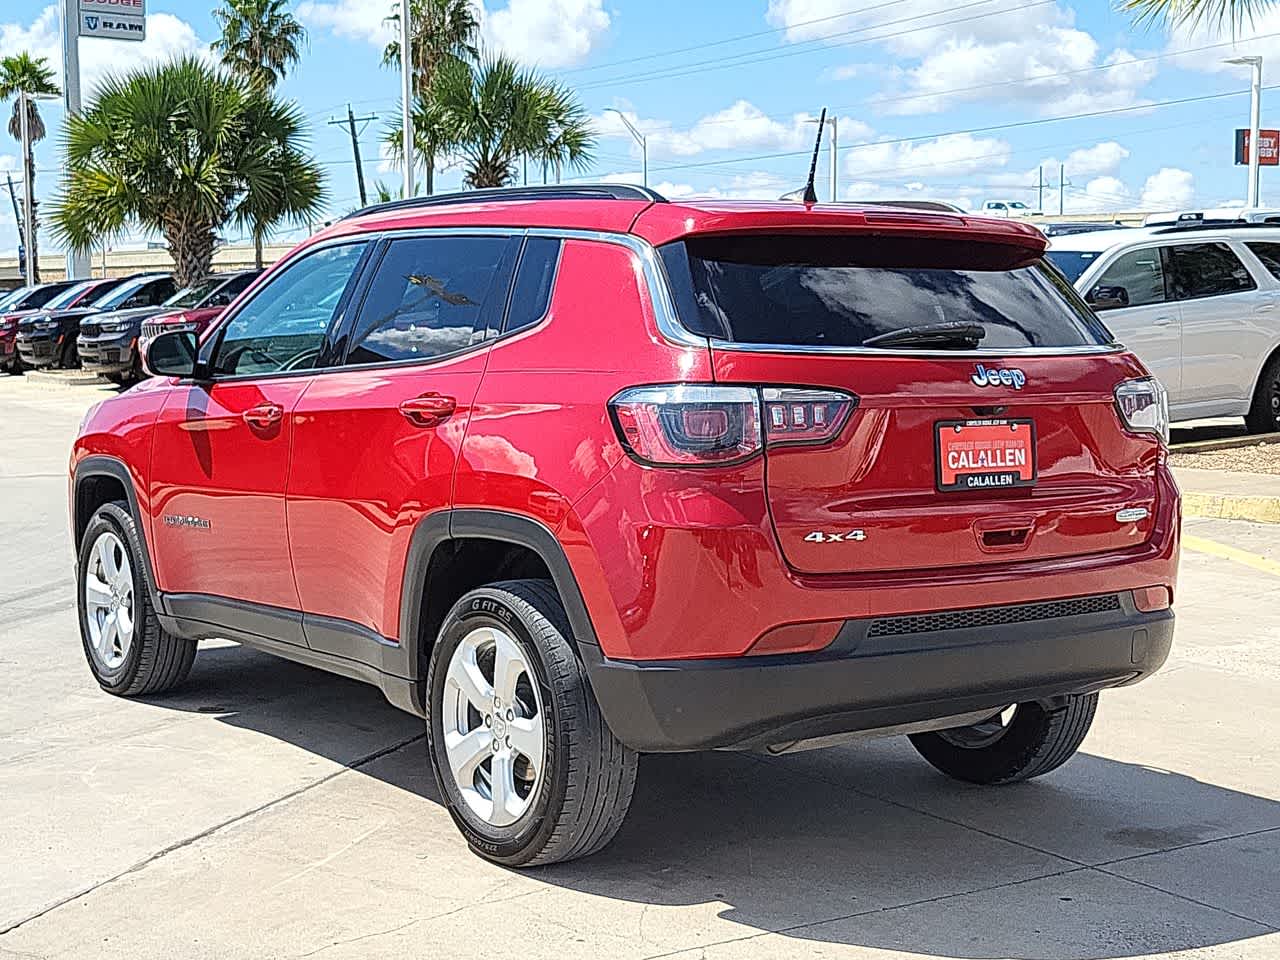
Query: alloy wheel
(108,596)
(493,726)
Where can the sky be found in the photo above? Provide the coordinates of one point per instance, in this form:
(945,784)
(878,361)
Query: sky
(958,100)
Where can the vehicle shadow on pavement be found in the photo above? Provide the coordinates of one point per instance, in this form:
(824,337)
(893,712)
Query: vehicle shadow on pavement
(862,845)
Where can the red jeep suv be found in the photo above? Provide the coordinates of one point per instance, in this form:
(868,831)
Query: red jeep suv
(577,473)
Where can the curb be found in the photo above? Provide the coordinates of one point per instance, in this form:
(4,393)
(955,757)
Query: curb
(1224,506)
(70,378)
(1225,443)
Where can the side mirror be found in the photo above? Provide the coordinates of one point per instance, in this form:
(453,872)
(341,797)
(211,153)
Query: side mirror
(172,354)
(1107,298)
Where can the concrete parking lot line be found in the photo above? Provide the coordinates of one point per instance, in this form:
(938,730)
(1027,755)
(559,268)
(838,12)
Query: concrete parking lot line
(1234,554)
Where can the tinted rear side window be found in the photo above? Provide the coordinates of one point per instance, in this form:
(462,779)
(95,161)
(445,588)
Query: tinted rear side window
(1269,254)
(41,295)
(531,294)
(1206,270)
(429,296)
(830,291)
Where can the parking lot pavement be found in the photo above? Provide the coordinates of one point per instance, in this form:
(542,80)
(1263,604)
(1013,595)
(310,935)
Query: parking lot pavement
(269,810)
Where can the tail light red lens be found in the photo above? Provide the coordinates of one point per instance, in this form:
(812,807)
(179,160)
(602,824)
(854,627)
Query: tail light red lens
(714,425)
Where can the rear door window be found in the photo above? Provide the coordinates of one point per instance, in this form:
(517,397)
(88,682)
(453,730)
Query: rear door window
(531,294)
(1206,270)
(430,296)
(832,291)
(1269,254)
(1141,275)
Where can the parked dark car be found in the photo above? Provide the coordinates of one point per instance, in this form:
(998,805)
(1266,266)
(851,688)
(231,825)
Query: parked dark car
(49,338)
(20,303)
(109,342)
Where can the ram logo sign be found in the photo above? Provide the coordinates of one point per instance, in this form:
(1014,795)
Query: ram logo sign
(113,19)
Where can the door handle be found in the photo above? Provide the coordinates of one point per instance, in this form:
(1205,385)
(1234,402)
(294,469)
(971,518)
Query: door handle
(264,415)
(428,410)
(1162,321)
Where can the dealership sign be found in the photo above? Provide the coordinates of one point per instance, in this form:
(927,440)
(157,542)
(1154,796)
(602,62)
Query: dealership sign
(1268,140)
(113,19)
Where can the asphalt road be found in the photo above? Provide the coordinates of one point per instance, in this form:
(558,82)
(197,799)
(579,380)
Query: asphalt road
(269,810)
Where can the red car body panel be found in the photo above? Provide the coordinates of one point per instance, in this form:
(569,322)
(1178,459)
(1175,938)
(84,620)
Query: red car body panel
(316,512)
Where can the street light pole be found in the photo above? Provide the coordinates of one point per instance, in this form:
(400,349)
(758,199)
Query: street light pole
(1255,123)
(640,139)
(406,96)
(77,260)
(28,195)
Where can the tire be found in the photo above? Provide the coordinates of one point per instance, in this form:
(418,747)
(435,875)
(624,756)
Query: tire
(144,659)
(1264,415)
(574,806)
(68,357)
(1033,742)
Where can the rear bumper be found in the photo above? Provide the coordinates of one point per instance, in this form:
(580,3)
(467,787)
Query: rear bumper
(874,676)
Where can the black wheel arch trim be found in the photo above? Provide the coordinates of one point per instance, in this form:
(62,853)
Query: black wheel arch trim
(436,529)
(100,465)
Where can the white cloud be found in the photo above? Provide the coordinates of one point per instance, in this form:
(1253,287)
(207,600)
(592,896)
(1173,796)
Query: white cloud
(1261,38)
(1100,158)
(549,33)
(740,126)
(1169,188)
(755,185)
(954,56)
(1099,195)
(167,36)
(354,19)
(954,154)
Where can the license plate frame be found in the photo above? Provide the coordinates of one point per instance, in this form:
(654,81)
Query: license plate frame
(984,478)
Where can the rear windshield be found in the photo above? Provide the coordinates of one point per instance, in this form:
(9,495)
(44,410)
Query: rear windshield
(832,291)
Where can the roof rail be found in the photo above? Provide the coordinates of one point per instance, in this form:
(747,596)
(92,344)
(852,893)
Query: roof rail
(590,191)
(1193,225)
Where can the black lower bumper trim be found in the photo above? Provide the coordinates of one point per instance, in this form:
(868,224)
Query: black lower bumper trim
(864,683)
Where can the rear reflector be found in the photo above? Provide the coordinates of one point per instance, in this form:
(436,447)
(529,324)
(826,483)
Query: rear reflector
(1151,599)
(796,638)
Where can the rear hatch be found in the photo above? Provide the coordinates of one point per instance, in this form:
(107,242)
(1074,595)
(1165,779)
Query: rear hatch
(988,435)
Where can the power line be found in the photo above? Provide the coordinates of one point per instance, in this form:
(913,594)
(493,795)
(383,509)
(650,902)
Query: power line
(728,40)
(719,63)
(987,129)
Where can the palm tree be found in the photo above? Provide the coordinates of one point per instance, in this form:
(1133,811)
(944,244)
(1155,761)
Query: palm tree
(260,40)
(184,149)
(18,73)
(444,31)
(492,114)
(1216,14)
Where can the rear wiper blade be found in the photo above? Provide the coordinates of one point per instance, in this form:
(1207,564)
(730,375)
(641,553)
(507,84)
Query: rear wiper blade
(954,334)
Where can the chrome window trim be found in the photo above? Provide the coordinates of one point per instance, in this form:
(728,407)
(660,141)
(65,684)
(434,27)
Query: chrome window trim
(1080,350)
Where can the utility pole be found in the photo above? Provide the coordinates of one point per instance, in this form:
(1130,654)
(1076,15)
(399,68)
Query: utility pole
(406,96)
(1040,189)
(28,196)
(350,124)
(1255,122)
(1062,187)
(77,260)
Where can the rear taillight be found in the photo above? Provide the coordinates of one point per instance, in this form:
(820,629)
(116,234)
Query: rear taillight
(713,425)
(1144,407)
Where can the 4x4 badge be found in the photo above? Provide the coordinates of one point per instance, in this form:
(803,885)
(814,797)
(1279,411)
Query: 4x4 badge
(822,536)
(1010,377)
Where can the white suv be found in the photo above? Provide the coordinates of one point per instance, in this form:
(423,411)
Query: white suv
(1200,305)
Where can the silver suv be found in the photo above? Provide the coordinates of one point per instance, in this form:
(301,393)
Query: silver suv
(1200,305)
